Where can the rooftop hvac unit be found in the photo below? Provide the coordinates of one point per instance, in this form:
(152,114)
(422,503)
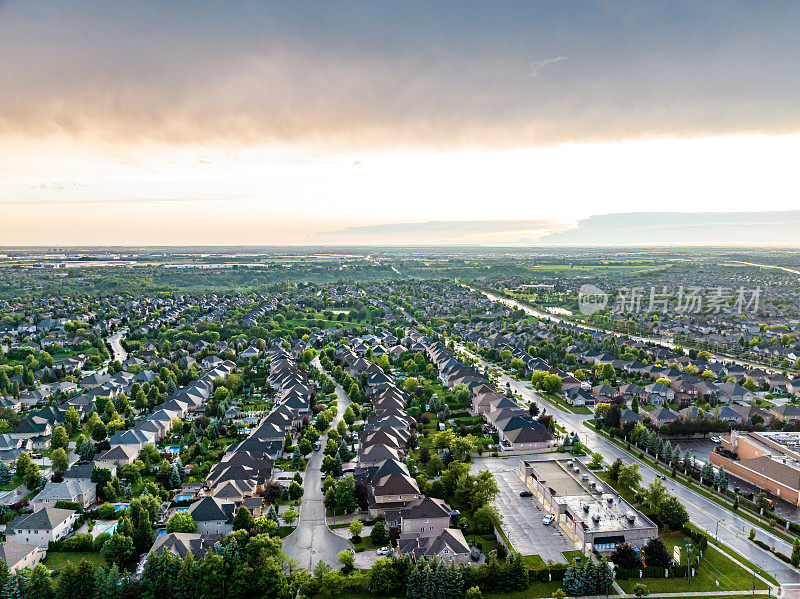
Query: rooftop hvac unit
(570,462)
(577,468)
(610,499)
(631,517)
(586,507)
(596,517)
(585,477)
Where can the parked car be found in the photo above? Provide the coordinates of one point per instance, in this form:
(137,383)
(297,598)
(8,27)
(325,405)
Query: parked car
(317,446)
(547,519)
(385,551)
(662,477)
(716,439)
(525,494)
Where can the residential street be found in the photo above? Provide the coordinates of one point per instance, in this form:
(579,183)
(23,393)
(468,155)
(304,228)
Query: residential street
(312,540)
(115,342)
(732,530)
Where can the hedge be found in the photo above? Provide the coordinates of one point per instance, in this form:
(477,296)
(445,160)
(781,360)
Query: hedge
(79,542)
(554,572)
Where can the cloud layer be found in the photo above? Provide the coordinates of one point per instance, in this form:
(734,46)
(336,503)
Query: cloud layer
(374,74)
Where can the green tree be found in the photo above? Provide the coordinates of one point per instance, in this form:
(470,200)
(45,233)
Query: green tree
(486,518)
(672,513)
(295,490)
(473,593)
(640,590)
(630,477)
(346,559)
(40,584)
(59,438)
(181,522)
(118,550)
(289,516)
(243,520)
(614,470)
(356,526)
(383,578)
(597,461)
(59,460)
(795,559)
(378,534)
(24,462)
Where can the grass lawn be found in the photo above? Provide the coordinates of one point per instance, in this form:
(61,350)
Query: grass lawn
(553,398)
(714,567)
(487,545)
(534,562)
(365,544)
(58,560)
(570,556)
(537,589)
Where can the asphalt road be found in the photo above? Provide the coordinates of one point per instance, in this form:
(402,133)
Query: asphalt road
(730,529)
(115,343)
(312,541)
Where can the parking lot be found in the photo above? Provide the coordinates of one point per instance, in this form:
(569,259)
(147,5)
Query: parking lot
(522,516)
(699,448)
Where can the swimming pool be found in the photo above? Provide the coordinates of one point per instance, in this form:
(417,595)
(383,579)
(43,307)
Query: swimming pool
(183,497)
(121,506)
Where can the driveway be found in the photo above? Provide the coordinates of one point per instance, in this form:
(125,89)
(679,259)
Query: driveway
(312,541)
(522,516)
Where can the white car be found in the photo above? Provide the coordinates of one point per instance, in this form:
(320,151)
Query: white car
(716,439)
(385,551)
(547,519)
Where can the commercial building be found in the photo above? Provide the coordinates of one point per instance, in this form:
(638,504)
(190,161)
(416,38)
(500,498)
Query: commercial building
(768,460)
(591,514)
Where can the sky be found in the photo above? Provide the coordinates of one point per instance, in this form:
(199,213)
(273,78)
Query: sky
(398,123)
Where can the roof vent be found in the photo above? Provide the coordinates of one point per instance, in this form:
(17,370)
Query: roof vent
(586,507)
(610,499)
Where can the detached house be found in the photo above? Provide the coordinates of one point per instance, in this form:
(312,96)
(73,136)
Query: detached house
(41,527)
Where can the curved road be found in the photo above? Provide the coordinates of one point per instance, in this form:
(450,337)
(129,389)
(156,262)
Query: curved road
(312,541)
(731,529)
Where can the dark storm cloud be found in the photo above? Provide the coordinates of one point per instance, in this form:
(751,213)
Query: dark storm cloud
(380,74)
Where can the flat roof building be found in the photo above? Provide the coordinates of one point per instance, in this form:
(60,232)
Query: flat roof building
(591,513)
